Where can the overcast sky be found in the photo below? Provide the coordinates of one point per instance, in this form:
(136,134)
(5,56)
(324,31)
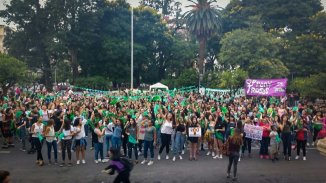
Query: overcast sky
(221,3)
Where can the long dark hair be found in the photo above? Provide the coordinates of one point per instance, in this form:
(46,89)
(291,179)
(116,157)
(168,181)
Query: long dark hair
(67,124)
(115,153)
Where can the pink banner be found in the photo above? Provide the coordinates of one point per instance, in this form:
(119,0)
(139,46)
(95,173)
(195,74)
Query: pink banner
(265,87)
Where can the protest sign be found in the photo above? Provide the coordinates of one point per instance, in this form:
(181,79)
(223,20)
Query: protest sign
(195,132)
(253,132)
(265,87)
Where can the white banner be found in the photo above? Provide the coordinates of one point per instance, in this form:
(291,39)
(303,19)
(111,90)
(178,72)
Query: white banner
(194,132)
(253,132)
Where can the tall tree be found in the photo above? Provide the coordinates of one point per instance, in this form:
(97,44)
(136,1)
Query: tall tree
(12,71)
(202,21)
(29,42)
(164,5)
(274,14)
(253,50)
(73,26)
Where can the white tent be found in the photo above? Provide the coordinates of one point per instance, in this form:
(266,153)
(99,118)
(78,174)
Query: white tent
(158,86)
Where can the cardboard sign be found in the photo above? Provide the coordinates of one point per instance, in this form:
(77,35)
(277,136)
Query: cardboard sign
(194,132)
(253,132)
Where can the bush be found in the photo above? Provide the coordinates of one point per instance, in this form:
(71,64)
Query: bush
(95,82)
(188,77)
(311,87)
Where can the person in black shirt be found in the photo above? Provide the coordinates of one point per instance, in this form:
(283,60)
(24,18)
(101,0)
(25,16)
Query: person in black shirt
(220,127)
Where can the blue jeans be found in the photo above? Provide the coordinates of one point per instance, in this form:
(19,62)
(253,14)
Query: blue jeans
(108,140)
(22,133)
(98,149)
(55,149)
(86,127)
(178,143)
(148,144)
(116,142)
(173,139)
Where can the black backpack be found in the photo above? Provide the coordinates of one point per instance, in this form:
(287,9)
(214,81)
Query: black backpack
(128,164)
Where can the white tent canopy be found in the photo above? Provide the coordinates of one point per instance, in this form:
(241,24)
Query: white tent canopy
(158,86)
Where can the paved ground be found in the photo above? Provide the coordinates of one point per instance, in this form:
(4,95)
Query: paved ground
(23,169)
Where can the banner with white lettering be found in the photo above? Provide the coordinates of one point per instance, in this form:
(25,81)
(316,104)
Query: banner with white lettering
(265,87)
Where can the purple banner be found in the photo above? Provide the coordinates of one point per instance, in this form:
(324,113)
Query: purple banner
(266,87)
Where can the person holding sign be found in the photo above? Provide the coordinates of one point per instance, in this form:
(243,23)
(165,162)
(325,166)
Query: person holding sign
(193,129)
(265,139)
(246,140)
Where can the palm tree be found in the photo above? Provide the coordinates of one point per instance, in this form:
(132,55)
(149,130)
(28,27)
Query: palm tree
(203,20)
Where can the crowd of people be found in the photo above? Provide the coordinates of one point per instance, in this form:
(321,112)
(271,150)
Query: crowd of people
(135,124)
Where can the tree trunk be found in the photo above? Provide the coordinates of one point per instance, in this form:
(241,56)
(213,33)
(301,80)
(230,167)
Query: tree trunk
(47,76)
(202,51)
(74,64)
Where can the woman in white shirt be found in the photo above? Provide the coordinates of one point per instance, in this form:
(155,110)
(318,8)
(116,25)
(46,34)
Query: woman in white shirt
(45,114)
(166,132)
(66,142)
(51,141)
(80,139)
(37,130)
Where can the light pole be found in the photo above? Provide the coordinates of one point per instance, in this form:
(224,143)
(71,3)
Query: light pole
(132,49)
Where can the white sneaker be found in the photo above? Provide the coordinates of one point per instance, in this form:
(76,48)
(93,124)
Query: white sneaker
(313,144)
(308,144)
(239,159)
(150,163)
(221,156)
(96,161)
(78,162)
(173,158)
(208,153)
(297,157)
(180,157)
(183,152)
(167,157)
(159,157)
(213,154)
(217,156)
(304,158)
(104,160)
(83,161)
(143,162)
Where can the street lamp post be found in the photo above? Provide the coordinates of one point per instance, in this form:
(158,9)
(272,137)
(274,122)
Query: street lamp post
(132,49)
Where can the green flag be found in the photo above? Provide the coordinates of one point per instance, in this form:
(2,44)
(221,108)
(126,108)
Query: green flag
(40,137)
(132,140)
